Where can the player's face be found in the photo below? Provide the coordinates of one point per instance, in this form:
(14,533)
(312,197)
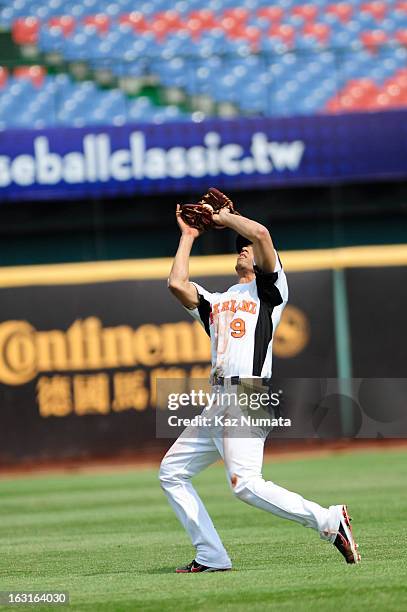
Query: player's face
(245,260)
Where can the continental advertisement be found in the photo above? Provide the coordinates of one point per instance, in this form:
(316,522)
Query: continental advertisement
(79,363)
(84,349)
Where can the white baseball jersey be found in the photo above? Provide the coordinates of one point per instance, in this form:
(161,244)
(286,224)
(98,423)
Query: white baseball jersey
(241,323)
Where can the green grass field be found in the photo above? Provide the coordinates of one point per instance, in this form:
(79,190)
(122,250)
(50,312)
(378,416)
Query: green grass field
(112,541)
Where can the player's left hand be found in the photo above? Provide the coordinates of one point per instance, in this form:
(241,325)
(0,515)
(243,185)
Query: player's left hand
(187,230)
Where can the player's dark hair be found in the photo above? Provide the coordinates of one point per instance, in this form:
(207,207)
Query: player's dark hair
(241,242)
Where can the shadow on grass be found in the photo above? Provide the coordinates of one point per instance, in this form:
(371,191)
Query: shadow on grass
(170,569)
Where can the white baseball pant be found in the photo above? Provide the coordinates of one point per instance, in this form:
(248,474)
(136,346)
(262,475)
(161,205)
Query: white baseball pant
(195,450)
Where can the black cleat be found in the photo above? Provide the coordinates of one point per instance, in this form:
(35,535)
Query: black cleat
(194,568)
(344,540)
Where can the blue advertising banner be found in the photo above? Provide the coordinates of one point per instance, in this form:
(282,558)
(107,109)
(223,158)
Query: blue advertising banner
(176,157)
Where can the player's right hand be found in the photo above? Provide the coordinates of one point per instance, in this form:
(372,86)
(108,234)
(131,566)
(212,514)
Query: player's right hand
(187,230)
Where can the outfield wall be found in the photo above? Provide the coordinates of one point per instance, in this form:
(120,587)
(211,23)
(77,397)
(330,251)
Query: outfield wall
(83,345)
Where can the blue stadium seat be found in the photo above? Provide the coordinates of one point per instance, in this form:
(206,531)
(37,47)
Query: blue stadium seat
(298,70)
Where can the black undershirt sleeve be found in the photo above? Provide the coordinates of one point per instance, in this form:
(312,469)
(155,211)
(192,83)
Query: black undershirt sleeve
(269,297)
(266,288)
(204,309)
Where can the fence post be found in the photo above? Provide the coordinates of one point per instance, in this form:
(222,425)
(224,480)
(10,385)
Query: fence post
(343,350)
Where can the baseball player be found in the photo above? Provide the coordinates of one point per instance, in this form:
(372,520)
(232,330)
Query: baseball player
(241,347)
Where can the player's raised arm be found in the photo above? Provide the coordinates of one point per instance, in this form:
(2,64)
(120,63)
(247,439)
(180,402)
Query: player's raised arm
(263,248)
(178,281)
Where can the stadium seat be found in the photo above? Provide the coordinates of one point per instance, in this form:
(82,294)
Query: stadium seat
(134,19)
(342,10)
(65,23)
(285,33)
(35,74)
(25,30)
(273,14)
(205,17)
(307,12)
(401,37)
(373,39)
(26,101)
(99,22)
(321,31)
(377,9)
(270,58)
(3,77)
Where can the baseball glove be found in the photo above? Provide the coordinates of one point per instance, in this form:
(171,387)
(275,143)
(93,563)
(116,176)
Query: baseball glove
(200,215)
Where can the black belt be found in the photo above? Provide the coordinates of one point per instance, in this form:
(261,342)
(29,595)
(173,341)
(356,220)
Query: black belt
(236,380)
